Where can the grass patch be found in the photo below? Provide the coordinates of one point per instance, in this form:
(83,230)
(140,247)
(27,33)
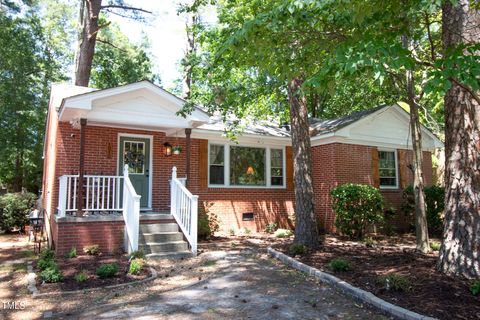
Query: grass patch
(435,245)
(283,233)
(29,254)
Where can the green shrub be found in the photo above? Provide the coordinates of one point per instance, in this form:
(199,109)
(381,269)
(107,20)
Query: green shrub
(72,253)
(434,203)
(356,207)
(395,282)
(283,233)
(246,231)
(139,254)
(14,210)
(208,223)
(46,263)
(369,242)
(435,245)
(297,248)
(271,227)
(107,270)
(475,287)
(51,274)
(339,264)
(47,254)
(82,276)
(136,266)
(92,250)
(231,232)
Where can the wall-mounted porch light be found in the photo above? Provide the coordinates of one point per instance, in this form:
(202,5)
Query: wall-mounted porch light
(167,149)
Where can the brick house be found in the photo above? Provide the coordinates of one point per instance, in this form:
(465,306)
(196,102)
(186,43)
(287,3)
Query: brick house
(118,150)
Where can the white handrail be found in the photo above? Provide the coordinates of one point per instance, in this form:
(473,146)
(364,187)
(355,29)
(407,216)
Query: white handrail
(184,208)
(131,213)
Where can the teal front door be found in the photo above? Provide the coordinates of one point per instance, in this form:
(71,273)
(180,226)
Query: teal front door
(136,153)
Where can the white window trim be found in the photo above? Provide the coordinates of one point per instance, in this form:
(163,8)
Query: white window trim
(396,186)
(226,166)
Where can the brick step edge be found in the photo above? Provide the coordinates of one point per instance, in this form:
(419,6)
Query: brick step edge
(357,293)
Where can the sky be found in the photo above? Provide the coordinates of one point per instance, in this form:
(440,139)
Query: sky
(166,31)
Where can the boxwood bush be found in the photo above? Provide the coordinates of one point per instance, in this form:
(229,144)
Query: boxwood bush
(434,203)
(356,206)
(14,210)
(107,270)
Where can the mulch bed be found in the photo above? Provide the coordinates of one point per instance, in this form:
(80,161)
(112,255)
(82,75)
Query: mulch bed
(431,292)
(89,264)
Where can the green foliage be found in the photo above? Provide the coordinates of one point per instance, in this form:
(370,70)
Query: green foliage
(47,254)
(339,264)
(52,274)
(395,282)
(14,210)
(136,266)
(46,263)
(297,248)
(72,253)
(208,223)
(92,250)
(475,287)
(435,246)
(369,242)
(80,277)
(139,254)
(246,231)
(271,227)
(117,61)
(283,233)
(434,202)
(30,60)
(107,270)
(356,207)
(231,232)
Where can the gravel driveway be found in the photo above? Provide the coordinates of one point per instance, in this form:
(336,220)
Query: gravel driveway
(246,285)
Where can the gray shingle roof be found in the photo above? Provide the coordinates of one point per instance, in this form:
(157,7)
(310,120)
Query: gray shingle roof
(318,126)
(272,129)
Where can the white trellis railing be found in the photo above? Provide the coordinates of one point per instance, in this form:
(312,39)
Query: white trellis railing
(131,213)
(184,208)
(102,193)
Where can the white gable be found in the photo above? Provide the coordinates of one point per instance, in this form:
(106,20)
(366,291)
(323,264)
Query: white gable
(388,127)
(138,105)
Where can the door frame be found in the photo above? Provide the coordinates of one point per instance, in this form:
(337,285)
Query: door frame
(150,166)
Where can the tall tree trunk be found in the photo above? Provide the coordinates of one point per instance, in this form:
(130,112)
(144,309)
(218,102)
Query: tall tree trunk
(421,227)
(460,250)
(192,20)
(306,226)
(87,40)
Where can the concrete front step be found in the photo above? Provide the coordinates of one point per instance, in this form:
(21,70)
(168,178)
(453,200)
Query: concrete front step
(158,228)
(165,247)
(170,255)
(160,237)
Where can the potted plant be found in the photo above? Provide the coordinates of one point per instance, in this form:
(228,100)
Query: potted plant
(177,149)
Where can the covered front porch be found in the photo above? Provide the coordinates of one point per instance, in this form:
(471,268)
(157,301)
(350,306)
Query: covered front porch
(117,163)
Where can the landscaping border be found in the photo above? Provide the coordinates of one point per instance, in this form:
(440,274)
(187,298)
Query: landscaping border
(35,293)
(357,293)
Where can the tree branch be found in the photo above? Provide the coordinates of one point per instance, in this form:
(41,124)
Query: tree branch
(466,88)
(125,8)
(111,44)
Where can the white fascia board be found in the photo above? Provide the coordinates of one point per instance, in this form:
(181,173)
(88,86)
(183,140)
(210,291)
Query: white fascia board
(217,136)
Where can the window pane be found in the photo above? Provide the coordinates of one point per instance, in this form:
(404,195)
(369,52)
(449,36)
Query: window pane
(277,158)
(216,154)
(134,156)
(277,181)
(217,175)
(387,168)
(247,166)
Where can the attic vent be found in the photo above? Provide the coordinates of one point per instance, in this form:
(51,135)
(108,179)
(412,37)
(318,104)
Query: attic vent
(247,216)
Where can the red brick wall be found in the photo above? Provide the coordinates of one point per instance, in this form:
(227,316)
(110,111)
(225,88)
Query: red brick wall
(335,164)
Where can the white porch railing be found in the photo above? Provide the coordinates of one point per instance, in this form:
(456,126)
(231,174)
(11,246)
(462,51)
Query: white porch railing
(184,208)
(102,193)
(131,213)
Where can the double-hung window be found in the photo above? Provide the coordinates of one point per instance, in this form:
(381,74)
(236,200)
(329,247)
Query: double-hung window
(388,169)
(245,166)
